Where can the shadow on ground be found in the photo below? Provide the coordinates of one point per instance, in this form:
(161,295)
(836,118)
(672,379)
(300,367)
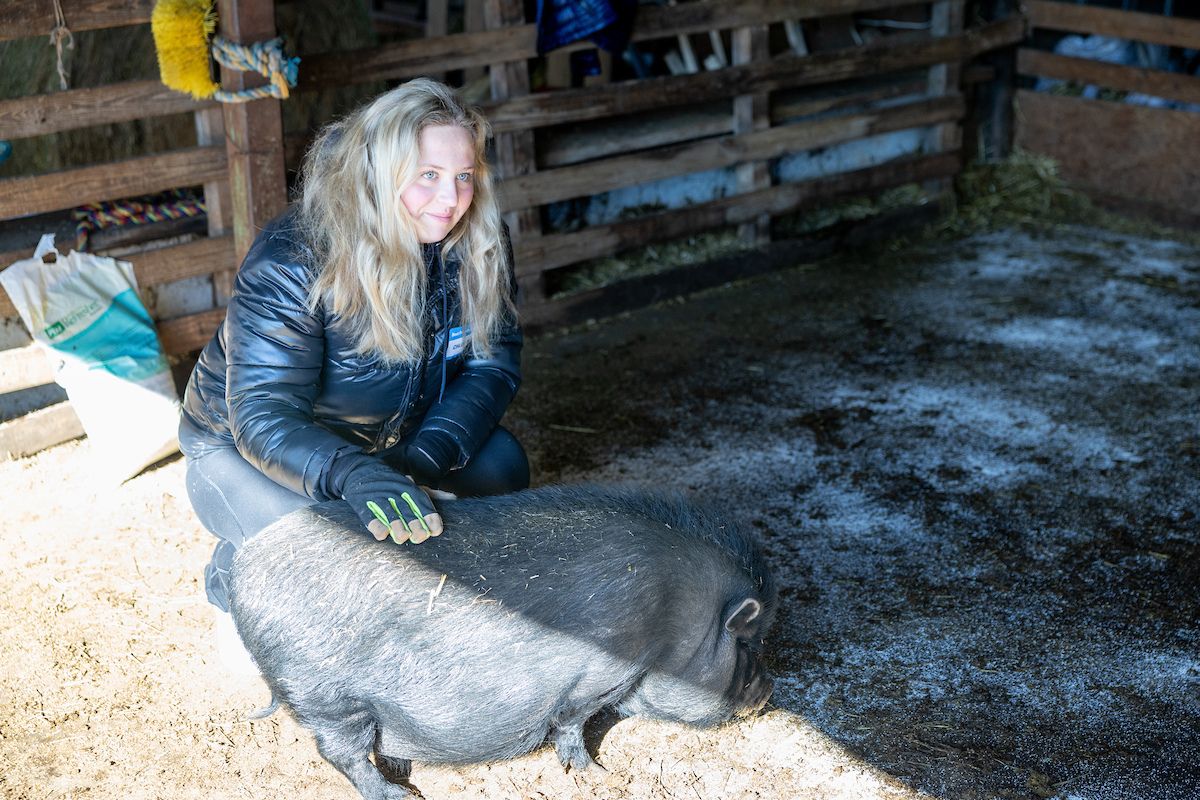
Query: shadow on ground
(976,467)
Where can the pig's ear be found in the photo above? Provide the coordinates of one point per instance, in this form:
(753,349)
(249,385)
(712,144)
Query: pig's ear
(740,618)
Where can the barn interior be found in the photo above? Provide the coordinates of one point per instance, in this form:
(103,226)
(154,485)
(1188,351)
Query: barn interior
(911,290)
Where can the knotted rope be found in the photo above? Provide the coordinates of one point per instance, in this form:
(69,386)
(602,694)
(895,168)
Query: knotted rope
(265,58)
(60,35)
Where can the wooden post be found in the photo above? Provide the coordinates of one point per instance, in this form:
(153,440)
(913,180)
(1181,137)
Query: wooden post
(751,113)
(946,19)
(253,138)
(436,25)
(473,23)
(210,130)
(515,154)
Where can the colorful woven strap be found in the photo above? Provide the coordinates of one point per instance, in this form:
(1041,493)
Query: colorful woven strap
(175,204)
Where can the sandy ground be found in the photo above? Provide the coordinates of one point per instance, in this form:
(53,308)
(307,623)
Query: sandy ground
(974,465)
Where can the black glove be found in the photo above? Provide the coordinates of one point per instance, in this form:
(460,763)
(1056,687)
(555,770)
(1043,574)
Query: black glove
(388,502)
(430,456)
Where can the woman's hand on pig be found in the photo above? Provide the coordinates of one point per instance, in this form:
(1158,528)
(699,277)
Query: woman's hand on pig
(388,503)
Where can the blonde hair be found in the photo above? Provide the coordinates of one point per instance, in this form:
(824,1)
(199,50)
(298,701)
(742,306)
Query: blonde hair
(369,268)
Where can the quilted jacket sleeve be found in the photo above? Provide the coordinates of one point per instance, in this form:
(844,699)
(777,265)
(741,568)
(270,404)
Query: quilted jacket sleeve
(457,426)
(274,353)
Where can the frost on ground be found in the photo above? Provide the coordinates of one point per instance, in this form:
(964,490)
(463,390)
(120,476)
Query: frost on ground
(975,466)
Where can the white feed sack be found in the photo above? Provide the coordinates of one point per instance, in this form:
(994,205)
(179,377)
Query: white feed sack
(84,311)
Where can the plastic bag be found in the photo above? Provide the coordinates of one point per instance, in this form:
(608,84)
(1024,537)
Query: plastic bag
(85,312)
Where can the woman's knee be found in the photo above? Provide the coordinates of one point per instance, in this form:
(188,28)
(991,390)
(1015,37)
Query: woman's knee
(501,466)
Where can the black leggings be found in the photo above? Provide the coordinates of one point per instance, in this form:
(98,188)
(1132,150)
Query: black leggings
(235,501)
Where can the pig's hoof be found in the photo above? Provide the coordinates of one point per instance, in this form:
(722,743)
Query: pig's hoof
(394,770)
(575,757)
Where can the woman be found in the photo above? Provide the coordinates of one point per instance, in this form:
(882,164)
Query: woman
(371,342)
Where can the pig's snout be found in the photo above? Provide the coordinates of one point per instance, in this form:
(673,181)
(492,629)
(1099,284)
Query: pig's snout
(756,693)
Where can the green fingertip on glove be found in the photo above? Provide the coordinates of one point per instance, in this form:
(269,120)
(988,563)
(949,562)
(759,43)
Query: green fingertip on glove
(413,505)
(374,508)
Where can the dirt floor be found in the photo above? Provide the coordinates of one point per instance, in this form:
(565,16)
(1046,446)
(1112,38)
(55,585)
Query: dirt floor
(975,465)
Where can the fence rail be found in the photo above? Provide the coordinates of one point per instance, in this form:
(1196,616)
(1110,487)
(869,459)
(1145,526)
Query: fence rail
(551,146)
(1134,157)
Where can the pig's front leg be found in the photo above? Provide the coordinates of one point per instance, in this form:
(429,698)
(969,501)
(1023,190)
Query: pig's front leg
(567,736)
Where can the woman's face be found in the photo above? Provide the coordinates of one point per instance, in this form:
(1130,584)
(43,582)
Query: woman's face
(441,193)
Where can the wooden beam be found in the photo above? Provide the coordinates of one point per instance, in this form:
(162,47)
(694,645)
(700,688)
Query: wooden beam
(218,201)
(253,138)
(668,162)
(646,289)
(36,17)
(1115,149)
(945,20)
(164,265)
(518,42)
(41,114)
(515,153)
(24,368)
(189,260)
(1159,83)
(38,430)
(20,197)
(559,250)
(751,112)
(1136,25)
(186,334)
(781,72)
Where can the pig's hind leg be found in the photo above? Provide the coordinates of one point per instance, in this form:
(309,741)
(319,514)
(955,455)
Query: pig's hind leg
(394,768)
(346,742)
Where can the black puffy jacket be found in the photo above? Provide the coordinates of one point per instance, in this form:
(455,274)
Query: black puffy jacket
(284,386)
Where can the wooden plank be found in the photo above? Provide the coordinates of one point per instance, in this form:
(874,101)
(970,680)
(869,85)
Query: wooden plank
(38,430)
(646,289)
(518,42)
(20,197)
(79,108)
(24,368)
(751,112)
(945,19)
(1159,83)
(165,264)
(781,72)
(189,260)
(1136,25)
(186,334)
(1115,148)
(668,162)
(218,201)
(558,250)
(253,138)
(436,26)
(600,138)
(606,137)
(36,17)
(515,151)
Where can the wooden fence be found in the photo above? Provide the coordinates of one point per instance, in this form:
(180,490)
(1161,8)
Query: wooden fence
(1133,157)
(549,146)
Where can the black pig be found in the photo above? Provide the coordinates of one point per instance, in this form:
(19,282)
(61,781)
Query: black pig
(530,614)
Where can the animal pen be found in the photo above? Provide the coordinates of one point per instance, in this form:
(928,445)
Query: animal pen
(779,79)
(971,458)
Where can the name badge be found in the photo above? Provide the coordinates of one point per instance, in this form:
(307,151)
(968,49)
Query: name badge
(456,342)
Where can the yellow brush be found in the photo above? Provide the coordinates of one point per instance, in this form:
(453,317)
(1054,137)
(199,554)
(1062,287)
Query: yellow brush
(182,29)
